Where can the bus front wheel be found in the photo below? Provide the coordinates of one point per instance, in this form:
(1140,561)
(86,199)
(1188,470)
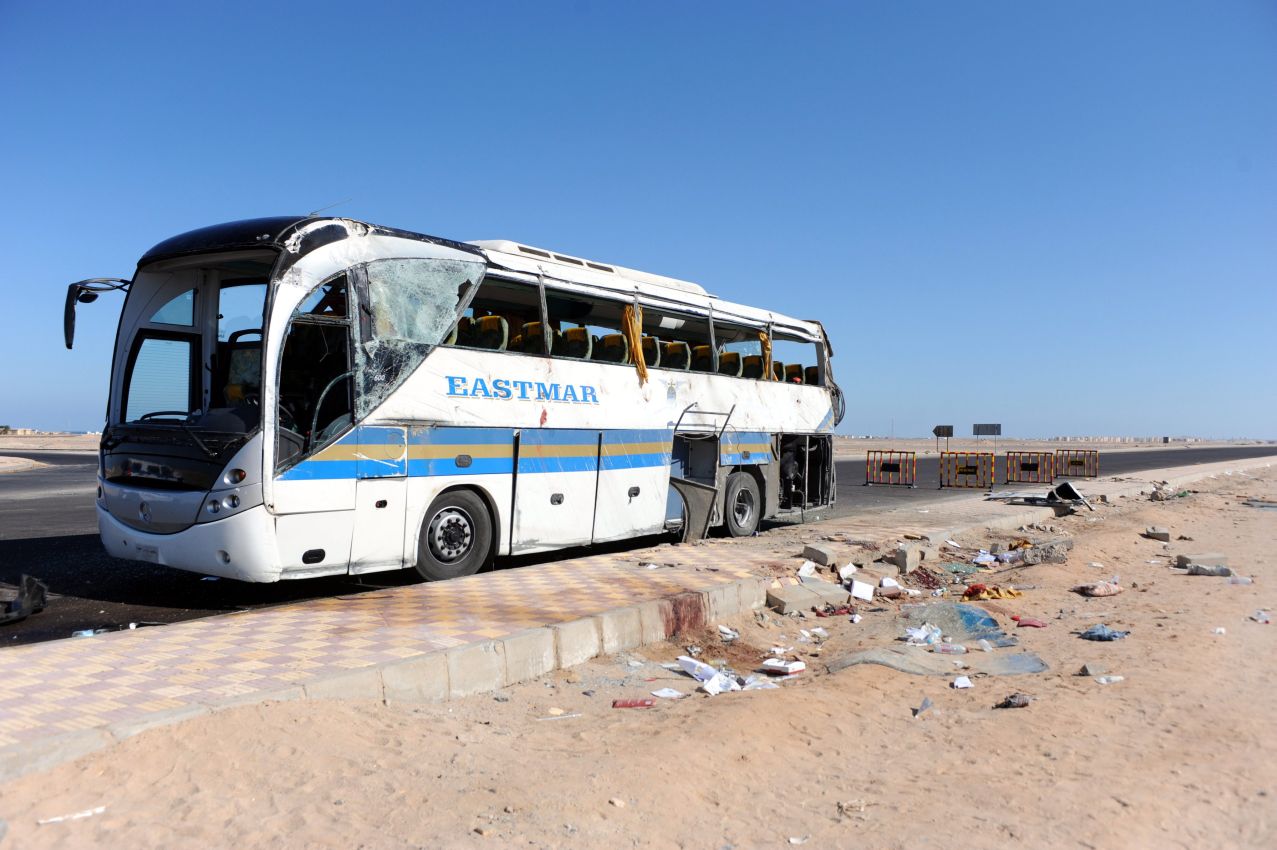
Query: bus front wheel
(742,504)
(456,537)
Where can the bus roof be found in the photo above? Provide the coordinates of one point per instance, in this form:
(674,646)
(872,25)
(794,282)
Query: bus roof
(530,255)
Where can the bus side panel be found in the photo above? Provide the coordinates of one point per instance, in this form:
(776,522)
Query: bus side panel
(555,488)
(634,475)
(480,459)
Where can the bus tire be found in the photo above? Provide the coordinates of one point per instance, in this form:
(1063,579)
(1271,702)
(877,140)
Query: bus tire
(455,538)
(742,504)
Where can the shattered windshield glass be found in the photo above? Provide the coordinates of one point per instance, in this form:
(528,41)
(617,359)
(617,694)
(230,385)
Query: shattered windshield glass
(412,306)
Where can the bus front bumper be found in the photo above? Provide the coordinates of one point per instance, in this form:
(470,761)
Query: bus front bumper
(241,546)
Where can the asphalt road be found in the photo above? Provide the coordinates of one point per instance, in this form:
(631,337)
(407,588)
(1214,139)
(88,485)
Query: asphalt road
(48,529)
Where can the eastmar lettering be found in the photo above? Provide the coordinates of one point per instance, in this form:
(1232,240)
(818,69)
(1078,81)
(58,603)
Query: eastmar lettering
(502,388)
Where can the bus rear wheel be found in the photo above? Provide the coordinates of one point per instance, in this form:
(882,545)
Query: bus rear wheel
(742,504)
(456,537)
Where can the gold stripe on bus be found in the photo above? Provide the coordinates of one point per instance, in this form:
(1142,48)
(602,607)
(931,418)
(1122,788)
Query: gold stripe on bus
(621,449)
(439,451)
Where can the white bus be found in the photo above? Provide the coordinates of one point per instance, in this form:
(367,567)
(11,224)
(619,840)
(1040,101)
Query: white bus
(298,397)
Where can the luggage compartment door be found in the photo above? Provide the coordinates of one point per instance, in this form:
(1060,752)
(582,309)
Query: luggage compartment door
(554,489)
(634,477)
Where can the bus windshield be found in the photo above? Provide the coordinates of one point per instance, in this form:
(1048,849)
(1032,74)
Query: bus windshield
(196,355)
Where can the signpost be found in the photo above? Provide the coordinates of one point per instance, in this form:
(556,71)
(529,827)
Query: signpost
(945,431)
(993,430)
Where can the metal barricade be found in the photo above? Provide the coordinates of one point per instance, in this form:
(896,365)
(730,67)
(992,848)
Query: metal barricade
(1030,467)
(887,467)
(1077,463)
(967,469)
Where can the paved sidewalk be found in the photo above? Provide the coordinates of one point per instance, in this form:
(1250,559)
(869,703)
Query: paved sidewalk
(61,699)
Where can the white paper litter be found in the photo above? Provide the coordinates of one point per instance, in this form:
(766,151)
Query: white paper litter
(862,590)
(807,570)
(888,581)
(760,683)
(720,683)
(820,633)
(963,682)
(698,670)
(779,665)
(951,543)
(856,618)
(728,634)
(924,635)
(668,693)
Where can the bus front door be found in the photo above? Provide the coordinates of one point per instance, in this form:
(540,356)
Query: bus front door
(554,489)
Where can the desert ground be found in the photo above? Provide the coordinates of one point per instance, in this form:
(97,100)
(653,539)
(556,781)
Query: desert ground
(1177,754)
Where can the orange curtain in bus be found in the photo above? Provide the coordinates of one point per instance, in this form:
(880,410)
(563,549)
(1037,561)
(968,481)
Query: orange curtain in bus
(766,343)
(633,327)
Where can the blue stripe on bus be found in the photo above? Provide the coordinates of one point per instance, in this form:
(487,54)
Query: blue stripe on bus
(636,461)
(558,464)
(322,470)
(462,436)
(424,468)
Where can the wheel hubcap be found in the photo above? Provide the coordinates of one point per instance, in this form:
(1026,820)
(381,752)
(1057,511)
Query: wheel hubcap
(743,509)
(451,534)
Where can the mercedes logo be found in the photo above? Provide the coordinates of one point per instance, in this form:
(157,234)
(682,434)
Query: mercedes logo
(144,511)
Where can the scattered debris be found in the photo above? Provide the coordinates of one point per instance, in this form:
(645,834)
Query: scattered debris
(1090,669)
(1262,616)
(33,596)
(1048,553)
(1099,588)
(780,666)
(618,802)
(1102,632)
(633,703)
(807,570)
(1219,570)
(980,592)
(1220,630)
(1109,680)
(924,706)
(862,590)
(1027,622)
(87,813)
(962,683)
(1156,532)
(728,634)
(1016,700)
(560,717)
(822,555)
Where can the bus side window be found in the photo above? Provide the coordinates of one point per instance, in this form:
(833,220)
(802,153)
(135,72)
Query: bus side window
(409,306)
(676,337)
(799,359)
(496,317)
(738,346)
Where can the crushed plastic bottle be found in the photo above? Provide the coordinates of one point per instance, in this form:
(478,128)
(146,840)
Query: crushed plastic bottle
(1241,580)
(950,648)
(984,645)
(1109,680)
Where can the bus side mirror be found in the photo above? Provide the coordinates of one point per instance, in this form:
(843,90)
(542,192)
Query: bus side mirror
(85,292)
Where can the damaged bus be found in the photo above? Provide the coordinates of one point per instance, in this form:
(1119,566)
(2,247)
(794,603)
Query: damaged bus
(298,397)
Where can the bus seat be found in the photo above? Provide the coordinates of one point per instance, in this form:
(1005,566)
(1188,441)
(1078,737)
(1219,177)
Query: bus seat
(464,333)
(794,373)
(577,343)
(729,364)
(811,375)
(702,359)
(534,340)
(493,333)
(677,355)
(778,370)
(651,351)
(613,349)
(752,366)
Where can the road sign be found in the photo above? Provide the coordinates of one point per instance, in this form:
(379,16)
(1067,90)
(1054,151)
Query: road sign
(943,430)
(986,430)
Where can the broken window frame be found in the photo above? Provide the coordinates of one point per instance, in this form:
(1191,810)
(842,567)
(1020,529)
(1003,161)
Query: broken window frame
(365,401)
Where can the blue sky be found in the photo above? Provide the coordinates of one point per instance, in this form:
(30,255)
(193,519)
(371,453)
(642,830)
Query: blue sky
(1061,217)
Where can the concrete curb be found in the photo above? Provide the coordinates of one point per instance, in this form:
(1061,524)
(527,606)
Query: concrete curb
(491,665)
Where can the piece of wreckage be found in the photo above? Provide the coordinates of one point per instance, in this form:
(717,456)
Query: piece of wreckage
(32,597)
(1062,496)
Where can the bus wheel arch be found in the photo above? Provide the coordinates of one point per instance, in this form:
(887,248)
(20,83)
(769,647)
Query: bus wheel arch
(743,502)
(457,534)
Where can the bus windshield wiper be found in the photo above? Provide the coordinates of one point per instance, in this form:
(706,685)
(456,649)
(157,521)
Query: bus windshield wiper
(195,439)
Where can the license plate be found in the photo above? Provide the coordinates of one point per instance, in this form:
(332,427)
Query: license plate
(150,554)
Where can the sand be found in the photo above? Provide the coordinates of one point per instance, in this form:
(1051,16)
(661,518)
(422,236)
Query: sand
(1179,754)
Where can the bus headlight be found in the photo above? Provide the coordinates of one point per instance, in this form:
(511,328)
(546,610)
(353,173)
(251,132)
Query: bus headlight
(235,476)
(231,502)
(214,506)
